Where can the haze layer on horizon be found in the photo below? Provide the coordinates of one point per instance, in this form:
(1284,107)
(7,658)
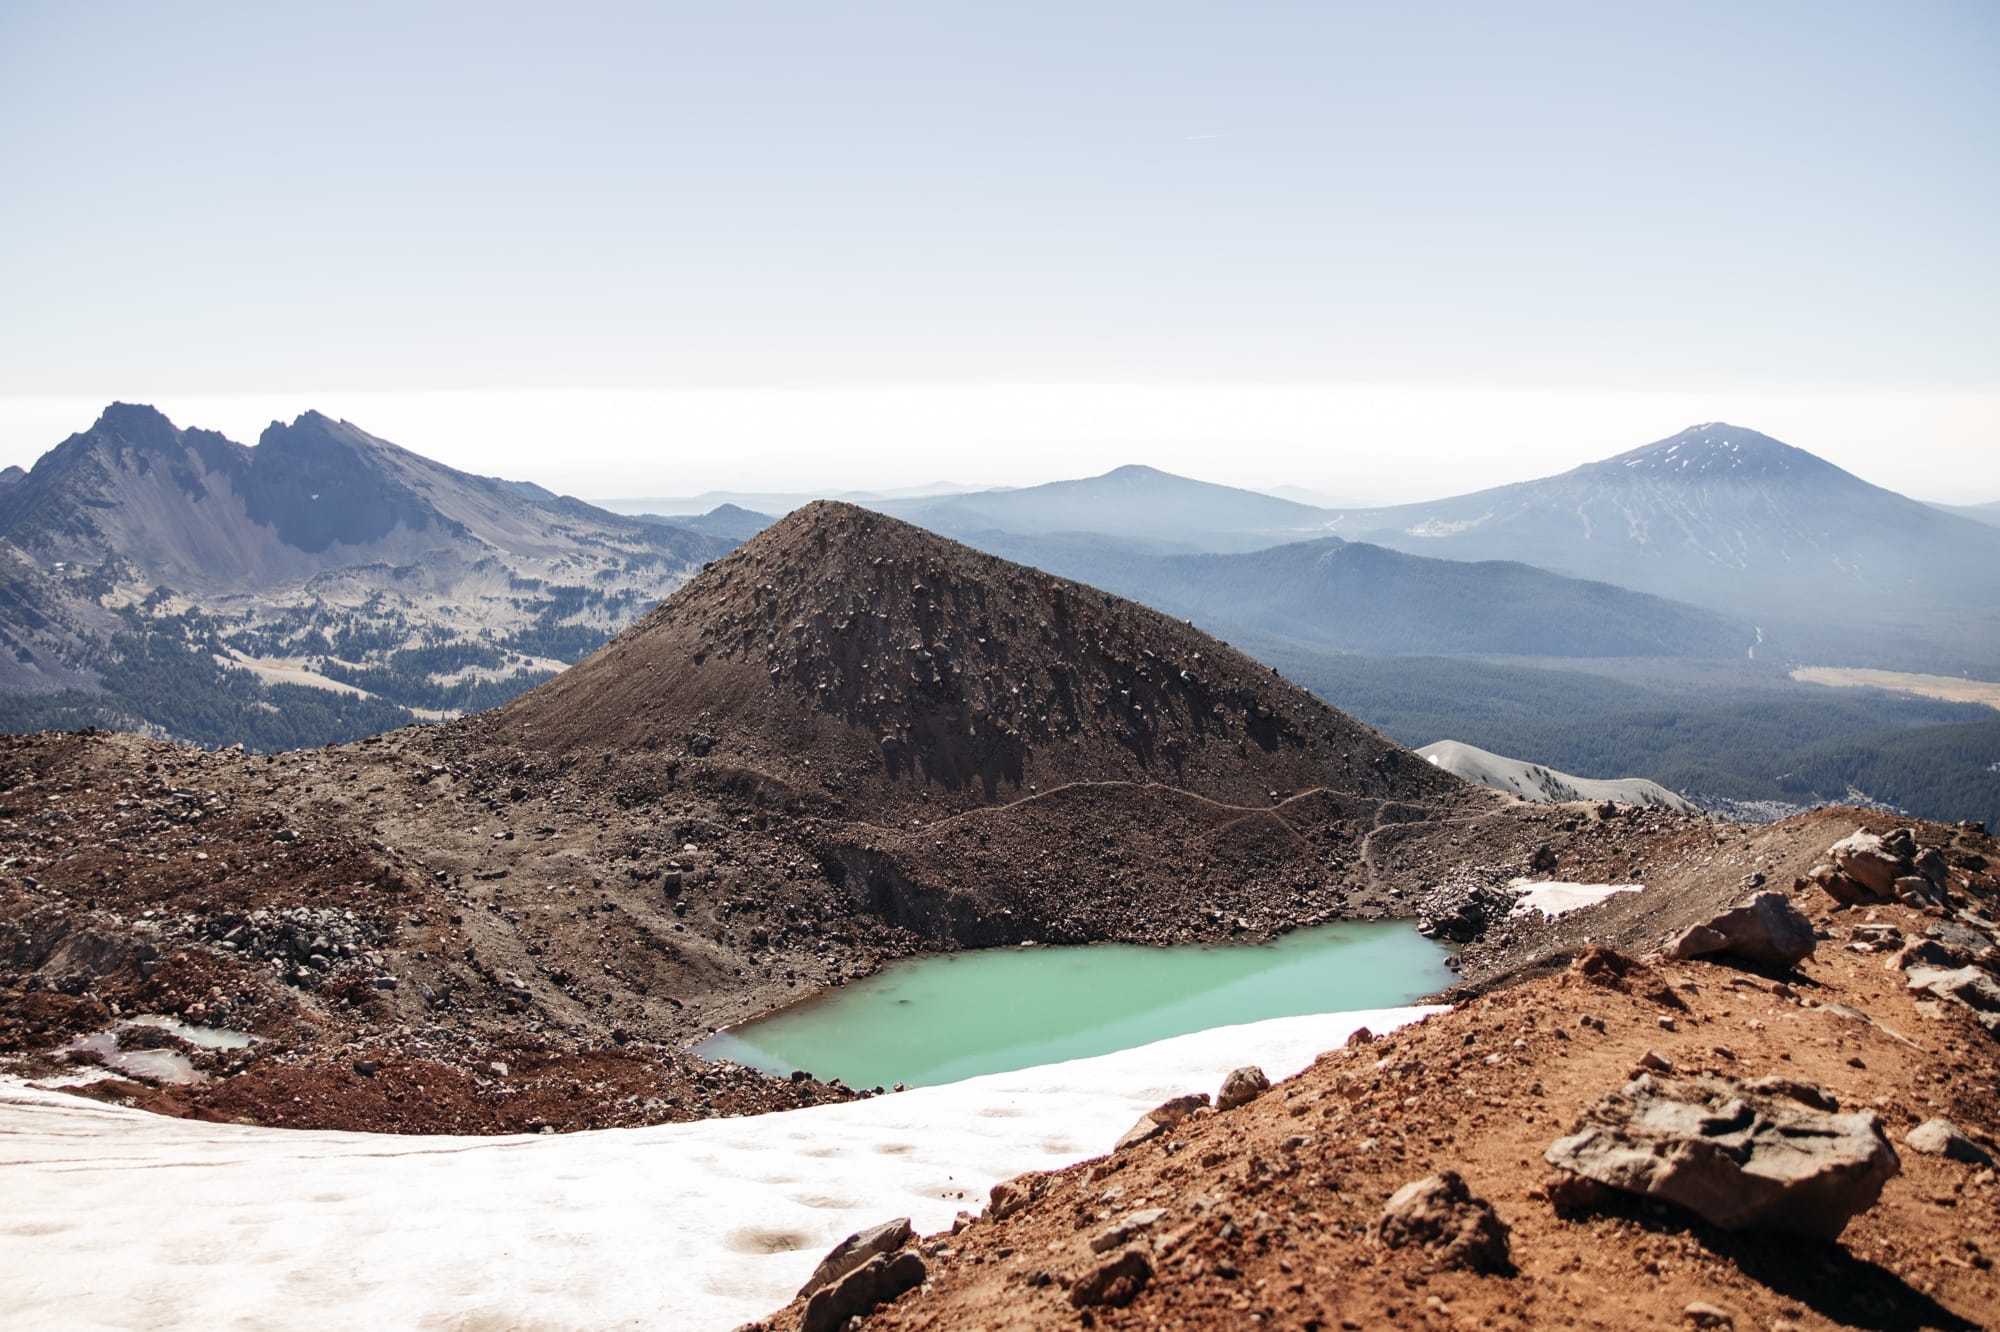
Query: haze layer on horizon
(1381,252)
(1349,444)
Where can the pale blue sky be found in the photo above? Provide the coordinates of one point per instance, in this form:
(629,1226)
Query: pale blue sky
(1684,204)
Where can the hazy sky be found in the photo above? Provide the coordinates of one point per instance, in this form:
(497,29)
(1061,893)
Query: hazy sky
(1382,251)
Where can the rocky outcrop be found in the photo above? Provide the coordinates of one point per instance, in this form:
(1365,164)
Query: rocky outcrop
(1115,1282)
(855,1250)
(1161,1118)
(877,1282)
(1736,1157)
(1866,867)
(1767,930)
(1440,1213)
(1968,986)
(1241,1087)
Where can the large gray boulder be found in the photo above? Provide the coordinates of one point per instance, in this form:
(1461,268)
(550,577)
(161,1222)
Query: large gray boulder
(1767,930)
(1867,860)
(1736,1157)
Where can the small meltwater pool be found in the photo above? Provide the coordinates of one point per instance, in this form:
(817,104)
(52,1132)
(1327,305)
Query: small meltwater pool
(930,1020)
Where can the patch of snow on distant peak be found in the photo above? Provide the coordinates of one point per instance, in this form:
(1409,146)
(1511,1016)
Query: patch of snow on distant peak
(1438,527)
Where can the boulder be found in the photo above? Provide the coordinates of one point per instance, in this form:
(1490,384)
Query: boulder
(1917,891)
(1968,985)
(1115,1282)
(855,1250)
(1924,953)
(1976,943)
(1931,864)
(1161,1118)
(1941,1137)
(1846,891)
(1457,1229)
(1737,1158)
(1241,1087)
(1767,930)
(1695,941)
(1866,859)
(875,1283)
(1126,1229)
(1011,1195)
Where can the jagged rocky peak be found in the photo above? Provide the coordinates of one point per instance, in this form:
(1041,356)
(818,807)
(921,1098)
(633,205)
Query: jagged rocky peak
(842,648)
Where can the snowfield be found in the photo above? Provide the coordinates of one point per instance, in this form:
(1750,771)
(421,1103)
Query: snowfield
(114,1218)
(1533,781)
(1553,898)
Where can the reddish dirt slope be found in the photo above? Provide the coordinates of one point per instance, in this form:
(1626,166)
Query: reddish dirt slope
(1269,1207)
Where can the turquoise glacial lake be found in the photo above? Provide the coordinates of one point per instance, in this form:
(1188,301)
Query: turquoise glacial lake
(930,1020)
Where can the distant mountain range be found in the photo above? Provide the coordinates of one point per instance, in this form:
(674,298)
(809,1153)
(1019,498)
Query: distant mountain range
(1342,596)
(1736,521)
(1766,535)
(172,578)
(326,582)
(1151,509)
(1978,513)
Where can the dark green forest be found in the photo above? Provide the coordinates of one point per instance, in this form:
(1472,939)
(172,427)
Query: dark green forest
(1762,738)
(181,689)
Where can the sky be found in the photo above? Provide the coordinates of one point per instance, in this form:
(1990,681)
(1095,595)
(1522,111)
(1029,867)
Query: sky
(1379,252)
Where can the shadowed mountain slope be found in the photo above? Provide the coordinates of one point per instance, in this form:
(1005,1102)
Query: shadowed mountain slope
(1348,596)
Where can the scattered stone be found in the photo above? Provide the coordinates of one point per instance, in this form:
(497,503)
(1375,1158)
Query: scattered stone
(1967,985)
(1917,891)
(1737,1158)
(1702,1314)
(1126,1229)
(1927,953)
(1241,1087)
(1876,937)
(878,1281)
(1791,1089)
(367,1068)
(1656,1062)
(855,1250)
(1767,930)
(1116,1282)
(1160,1119)
(1440,1214)
(1941,1137)
(1011,1195)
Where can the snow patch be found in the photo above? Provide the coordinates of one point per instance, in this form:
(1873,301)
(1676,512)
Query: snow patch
(120,1219)
(1554,899)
